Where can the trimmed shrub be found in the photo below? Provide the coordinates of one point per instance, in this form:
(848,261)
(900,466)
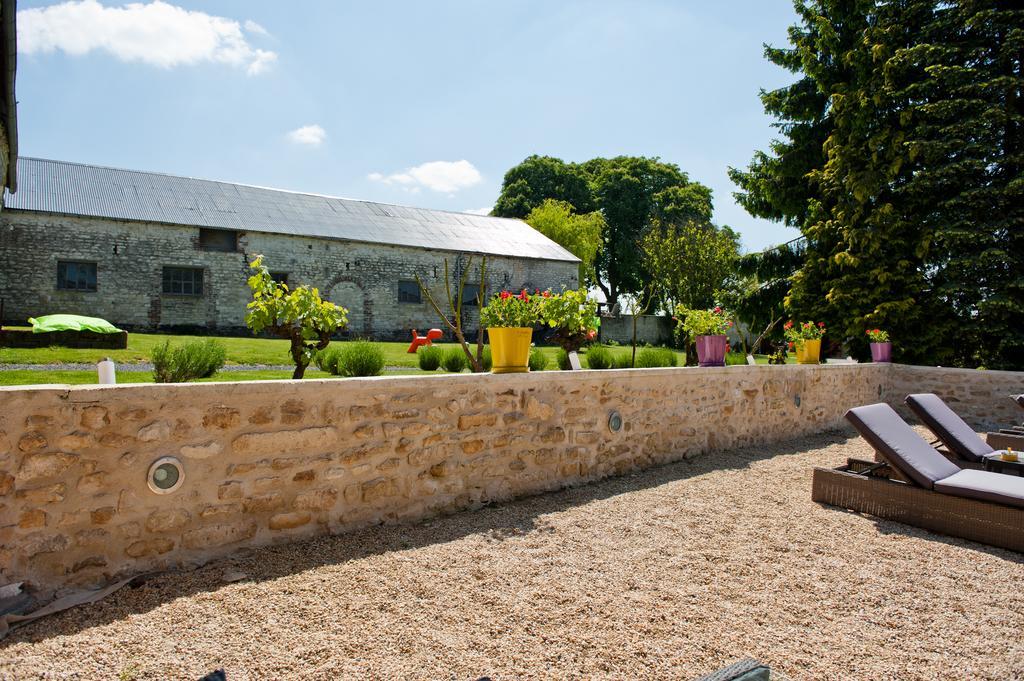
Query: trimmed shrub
(360,358)
(648,358)
(599,357)
(562,358)
(623,360)
(454,360)
(487,361)
(429,357)
(327,359)
(538,360)
(195,359)
(735,359)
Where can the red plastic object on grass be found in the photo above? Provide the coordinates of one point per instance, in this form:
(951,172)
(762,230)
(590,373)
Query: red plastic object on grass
(418,340)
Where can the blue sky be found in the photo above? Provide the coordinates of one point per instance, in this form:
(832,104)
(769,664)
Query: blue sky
(419,103)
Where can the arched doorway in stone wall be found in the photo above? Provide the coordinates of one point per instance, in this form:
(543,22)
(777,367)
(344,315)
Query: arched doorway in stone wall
(349,294)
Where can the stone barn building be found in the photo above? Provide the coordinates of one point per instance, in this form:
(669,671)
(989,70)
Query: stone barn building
(149,251)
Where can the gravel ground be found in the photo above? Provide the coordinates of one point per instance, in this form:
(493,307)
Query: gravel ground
(665,574)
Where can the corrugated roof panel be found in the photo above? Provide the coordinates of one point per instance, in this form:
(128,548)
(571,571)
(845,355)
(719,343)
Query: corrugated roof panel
(96,191)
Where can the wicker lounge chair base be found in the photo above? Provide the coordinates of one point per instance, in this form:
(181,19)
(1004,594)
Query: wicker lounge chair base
(1006,440)
(876,493)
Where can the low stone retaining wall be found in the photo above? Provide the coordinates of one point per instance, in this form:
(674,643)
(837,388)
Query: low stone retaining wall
(982,398)
(273,461)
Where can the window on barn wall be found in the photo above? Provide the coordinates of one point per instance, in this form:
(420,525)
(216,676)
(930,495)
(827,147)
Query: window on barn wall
(223,240)
(409,292)
(470,295)
(76,276)
(280,277)
(185,281)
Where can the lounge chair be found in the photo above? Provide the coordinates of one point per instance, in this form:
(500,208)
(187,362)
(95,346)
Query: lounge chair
(958,437)
(917,485)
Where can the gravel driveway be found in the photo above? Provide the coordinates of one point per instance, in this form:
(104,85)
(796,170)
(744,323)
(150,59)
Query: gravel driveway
(666,574)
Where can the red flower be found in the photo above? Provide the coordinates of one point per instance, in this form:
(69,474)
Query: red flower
(718,310)
(547,294)
(524,295)
(788,325)
(505,295)
(821,324)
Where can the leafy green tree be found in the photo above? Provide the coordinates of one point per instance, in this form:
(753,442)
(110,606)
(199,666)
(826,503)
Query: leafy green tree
(527,185)
(629,191)
(689,261)
(578,234)
(298,314)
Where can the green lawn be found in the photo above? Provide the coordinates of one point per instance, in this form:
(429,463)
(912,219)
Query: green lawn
(30,377)
(240,350)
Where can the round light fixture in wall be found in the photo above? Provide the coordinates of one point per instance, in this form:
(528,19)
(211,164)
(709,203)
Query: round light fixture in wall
(165,475)
(614,421)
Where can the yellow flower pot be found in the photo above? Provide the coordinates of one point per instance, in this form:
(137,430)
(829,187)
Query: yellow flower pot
(510,349)
(808,352)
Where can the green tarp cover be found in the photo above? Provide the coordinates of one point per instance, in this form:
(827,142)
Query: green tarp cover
(71,322)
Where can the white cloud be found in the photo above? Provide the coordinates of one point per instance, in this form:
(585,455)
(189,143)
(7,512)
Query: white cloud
(478,211)
(156,33)
(254,28)
(440,176)
(311,135)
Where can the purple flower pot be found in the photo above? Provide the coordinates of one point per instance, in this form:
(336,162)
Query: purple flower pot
(711,350)
(881,352)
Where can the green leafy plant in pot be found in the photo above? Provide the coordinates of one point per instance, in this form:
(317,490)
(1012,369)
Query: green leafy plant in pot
(707,328)
(509,319)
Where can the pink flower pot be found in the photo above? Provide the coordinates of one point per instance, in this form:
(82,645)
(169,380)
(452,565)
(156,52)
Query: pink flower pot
(881,352)
(711,350)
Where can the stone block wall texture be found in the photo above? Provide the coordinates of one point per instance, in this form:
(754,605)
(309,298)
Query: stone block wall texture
(982,398)
(130,258)
(275,461)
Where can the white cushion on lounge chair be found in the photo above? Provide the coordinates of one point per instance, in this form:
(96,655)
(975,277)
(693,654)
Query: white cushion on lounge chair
(984,485)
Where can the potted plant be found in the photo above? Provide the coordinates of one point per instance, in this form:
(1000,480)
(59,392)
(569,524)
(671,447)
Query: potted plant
(509,319)
(708,329)
(573,316)
(806,338)
(881,348)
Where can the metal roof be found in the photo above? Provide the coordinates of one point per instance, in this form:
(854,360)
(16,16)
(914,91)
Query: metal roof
(96,191)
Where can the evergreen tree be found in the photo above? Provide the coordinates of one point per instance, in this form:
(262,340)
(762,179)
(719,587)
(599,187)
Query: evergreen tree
(914,215)
(962,88)
(866,259)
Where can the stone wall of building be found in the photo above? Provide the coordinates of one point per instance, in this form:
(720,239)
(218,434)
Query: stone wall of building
(130,257)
